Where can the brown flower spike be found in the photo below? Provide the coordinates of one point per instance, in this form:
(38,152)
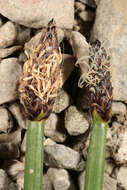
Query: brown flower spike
(41,78)
(98,81)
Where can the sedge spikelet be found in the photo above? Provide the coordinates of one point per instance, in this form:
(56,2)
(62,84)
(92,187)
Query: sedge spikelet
(41,78)
(98,81)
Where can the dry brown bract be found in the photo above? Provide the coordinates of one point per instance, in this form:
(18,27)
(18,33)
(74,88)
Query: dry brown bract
(42,76)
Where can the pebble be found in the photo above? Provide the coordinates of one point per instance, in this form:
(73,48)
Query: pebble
(62,101)
(61,156)
(60,34)
(22,57)
(97,2)
(109,166)
(10,72)
(79,45)
(54,128)
(20,180)
(86,16)
(109,183)
(4,181)
(16,112)
(49,142)
(9,150)
(47,184)
(13,137)
(8,51)
(1,21)
(6,122)
(118,108)
(81,51)
(37,14)
(33,42)
(91,3)
(8,34)
(23,145)
(110,28)
(117,142)
(75,122)
(67,66)
(23,34)
(12,186)
(122,177)
(60,179)
(76,28)
(14,168)
(83,99)
(22,159)
(79,6)
(79,143)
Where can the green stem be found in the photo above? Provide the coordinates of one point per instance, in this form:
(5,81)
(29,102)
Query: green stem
(34,156)
(96,155)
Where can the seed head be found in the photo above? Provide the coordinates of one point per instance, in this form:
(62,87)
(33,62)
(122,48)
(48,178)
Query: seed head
(41,78)
(98,81)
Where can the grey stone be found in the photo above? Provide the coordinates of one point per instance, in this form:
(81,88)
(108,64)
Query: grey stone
(1,21)
(47,184)
(67,66)
(60,179)
(49,142)
(83,99)
(79,45)
(10,72)
(121,118)
(8,34)
(20,179)
(22,57)
(23,145)
(33,42)
(97,2)
(8,51)
(86,16)
(54,128)
(91,3)
(109,166)
(16,111)
(117,142)
(118,108)
(109,183)
(122,177)
(111,28)
(22,159)
(60,34)
(81,52)
(75,121)
(38,13)
(13,186)
(15,167)
(79,6)
(23,34)
(13,137)
(76,28)
(79,143)
(62,101)
(61,156)
(6,123)
(4,181)
(81,180)
(9,150)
